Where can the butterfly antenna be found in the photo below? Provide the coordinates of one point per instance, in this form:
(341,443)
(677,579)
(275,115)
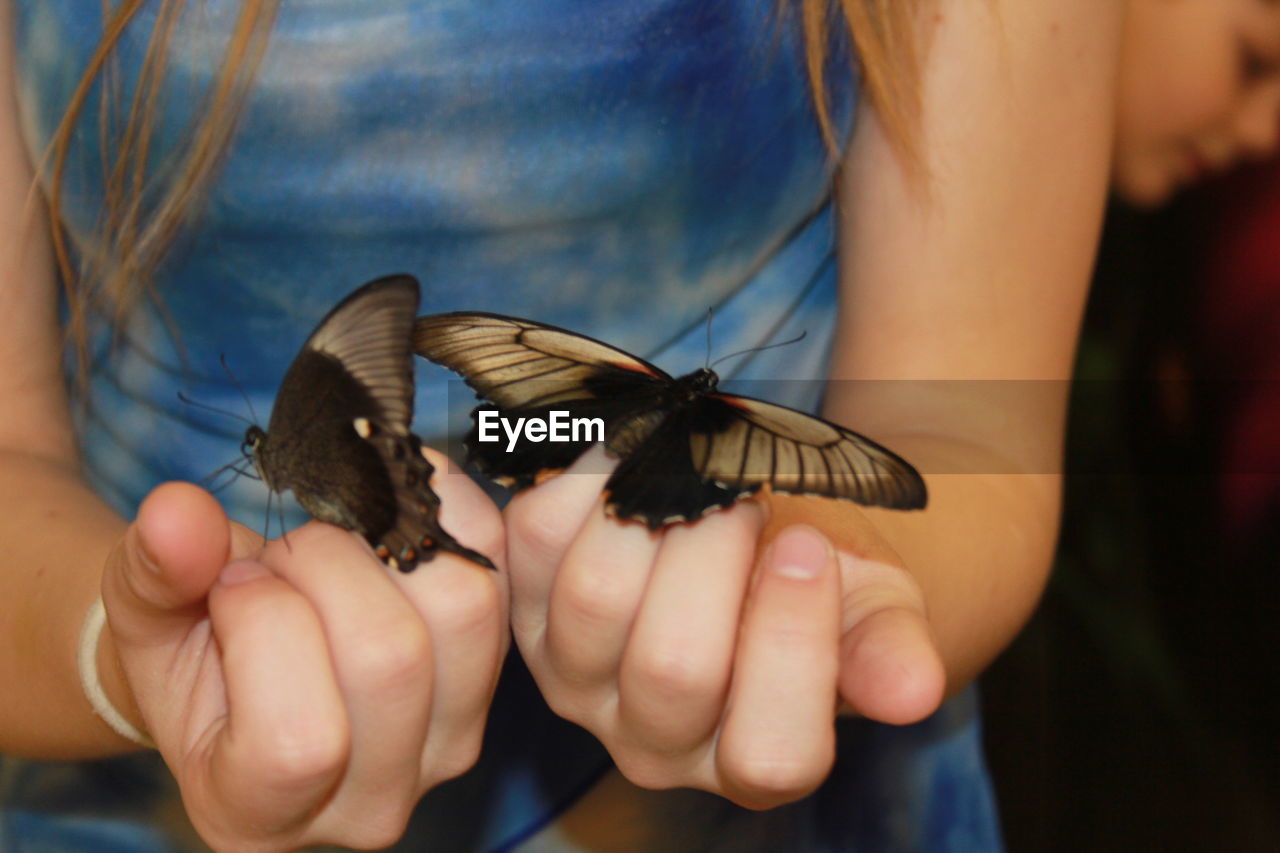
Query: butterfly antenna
(797,339)
(190,402)
(222,357)
(818,276)
(707,363)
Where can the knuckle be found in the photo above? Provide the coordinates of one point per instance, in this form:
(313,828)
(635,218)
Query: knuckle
(645,770)
(673,672)
(466,603)
(567,704)
(396,653)
(594,596)
(302,756)
(740,524)
(870,587)
(485,530)
(380,827)
(460,756)
(324,538)
(127,581)
(579,704)
(488,534)
(795,641)
(772,777)
(532,529)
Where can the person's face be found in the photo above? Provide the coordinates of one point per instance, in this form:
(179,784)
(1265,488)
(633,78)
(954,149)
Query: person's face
(1199,92)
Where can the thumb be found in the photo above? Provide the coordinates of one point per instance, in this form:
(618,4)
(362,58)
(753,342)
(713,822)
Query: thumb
(890,668)
(156,579)
(154,585)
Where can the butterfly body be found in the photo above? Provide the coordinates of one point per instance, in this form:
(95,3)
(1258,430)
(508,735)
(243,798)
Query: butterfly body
(685,448)
(339,433)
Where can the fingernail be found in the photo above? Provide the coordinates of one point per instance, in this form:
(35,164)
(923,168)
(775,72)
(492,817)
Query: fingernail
(799,552)
(241,571)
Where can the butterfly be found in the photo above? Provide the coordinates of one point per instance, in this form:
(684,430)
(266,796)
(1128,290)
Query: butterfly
(686,448)
(339,431)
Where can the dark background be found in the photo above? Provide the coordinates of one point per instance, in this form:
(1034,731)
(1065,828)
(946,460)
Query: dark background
(1138,709)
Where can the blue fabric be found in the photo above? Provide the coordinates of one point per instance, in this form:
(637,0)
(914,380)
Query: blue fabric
(614,167)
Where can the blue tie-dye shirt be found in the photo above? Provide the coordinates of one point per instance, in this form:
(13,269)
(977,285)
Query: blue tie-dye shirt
(617,167)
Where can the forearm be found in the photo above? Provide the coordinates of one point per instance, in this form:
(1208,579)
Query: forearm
(55,534)
(990,451)
(981,551)
(963,280)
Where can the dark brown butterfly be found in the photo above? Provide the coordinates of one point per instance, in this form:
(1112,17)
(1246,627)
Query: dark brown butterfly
(685,448)
(339,431)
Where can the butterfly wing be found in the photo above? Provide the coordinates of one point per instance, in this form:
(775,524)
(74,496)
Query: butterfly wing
(406,529)
(356,364)
(720,447)
(519,364)
(741,443)
(339,431)
(368,335)
(685,450)
(656,482)
(527,369)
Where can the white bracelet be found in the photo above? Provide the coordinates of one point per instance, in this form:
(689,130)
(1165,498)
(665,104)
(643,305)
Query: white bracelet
(92,684)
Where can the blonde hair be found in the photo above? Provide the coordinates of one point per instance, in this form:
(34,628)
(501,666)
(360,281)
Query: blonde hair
(119,260)
(883,33)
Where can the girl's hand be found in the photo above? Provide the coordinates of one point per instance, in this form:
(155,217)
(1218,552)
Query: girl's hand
(304,693)
(713,655)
